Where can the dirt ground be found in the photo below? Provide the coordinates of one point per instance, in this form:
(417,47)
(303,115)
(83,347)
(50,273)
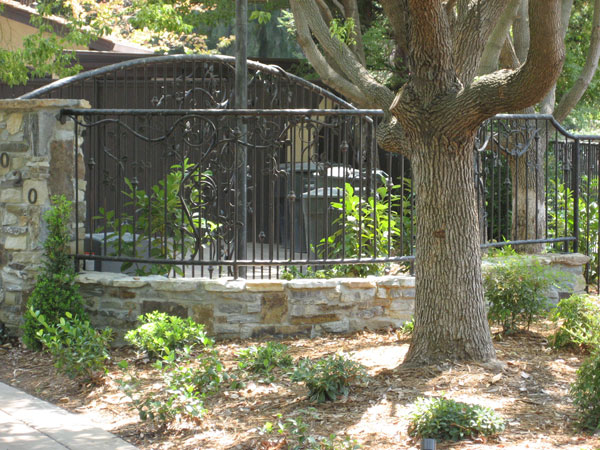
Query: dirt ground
(531,393)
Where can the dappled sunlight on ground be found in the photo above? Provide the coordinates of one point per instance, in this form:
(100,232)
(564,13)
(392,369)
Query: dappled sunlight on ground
(531,393)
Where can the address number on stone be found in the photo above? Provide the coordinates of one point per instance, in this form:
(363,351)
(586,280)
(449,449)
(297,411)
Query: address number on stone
(32,196)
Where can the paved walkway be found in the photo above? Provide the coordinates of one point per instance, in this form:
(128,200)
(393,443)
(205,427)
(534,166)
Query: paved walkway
(27,423)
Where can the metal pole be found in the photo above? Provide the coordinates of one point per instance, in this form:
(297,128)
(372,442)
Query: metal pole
(241,102)
(575,189)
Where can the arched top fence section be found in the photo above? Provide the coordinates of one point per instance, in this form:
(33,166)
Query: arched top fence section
(188,82)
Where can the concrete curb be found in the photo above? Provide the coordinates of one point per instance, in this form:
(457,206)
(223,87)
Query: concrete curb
(28,423)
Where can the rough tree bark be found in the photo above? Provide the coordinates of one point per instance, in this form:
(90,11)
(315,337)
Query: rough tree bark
(433,120)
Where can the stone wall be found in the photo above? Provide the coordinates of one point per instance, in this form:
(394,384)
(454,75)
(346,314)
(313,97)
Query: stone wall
(36,162)
(252,308)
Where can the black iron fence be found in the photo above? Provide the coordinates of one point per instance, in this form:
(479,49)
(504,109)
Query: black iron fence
(185,192)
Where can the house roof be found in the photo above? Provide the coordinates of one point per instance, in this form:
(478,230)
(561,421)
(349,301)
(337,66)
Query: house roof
(21,12)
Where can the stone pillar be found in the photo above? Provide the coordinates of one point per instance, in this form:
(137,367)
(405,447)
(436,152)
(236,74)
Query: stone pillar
(37,161)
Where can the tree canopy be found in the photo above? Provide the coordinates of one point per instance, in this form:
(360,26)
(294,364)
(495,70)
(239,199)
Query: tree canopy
(181,26)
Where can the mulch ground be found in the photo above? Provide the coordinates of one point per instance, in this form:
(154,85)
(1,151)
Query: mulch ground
(531,393)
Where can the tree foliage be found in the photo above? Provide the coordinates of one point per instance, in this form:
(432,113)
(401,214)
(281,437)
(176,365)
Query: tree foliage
(47,50)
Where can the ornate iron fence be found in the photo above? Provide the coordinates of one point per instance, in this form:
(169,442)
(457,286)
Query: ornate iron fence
(165,191)
(538,185)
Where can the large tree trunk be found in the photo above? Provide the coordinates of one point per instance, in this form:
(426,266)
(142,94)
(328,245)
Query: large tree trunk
(435,117)
(450,316)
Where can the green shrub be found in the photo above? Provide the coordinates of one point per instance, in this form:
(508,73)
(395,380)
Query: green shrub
(329,377)
(408,327)
(586,392)
(169,403)
(263,359)
(78,350)
(185,385)
(161,220)
(516,292)
(295,433)
(55,292)
(562,216)
(160,334)
(204,376)
(580,322)
(369,228)
(445,419)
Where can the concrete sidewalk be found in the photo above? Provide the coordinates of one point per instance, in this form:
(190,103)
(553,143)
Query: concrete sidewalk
(27,423)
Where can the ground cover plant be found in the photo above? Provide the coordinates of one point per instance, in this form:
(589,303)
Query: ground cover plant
(264,358)
(579,322)
(516,289)
(586,392)
(78,350)
(329,377)
(160,334)
(532,393)
(446,419)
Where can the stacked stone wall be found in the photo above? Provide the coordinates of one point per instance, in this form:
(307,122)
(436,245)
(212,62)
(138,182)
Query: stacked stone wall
(36,162)
(253,308)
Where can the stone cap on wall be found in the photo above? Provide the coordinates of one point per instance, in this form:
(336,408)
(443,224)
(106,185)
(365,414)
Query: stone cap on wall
(12,105)
(228,284)
(567,259)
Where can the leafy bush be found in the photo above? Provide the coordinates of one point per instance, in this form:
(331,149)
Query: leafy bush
(562,216)
(446,419)
(516,291)
(160,334)
(408,327)
(294,432)
(580,322)
(160,220)
(586,392)
(329,377)
(186,384)
(265,358)
(367,227)
(55,292)
(163,406)
(205,376)
(78,350)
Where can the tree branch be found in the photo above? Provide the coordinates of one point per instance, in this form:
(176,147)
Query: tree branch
(521,31)
(491,54)
(508,56)
(391,137)
(570,99)
(372,94)
(339,6)
(507,91)
(430,57)
(325,10)
(352,12)
(471,35)
(396,11)
(328,74)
